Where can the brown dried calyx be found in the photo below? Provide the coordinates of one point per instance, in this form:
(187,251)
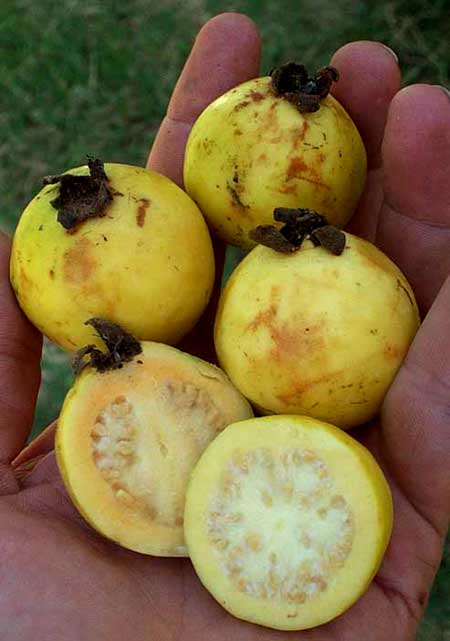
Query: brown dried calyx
(122,347)
(298,225)
(81,197)
(292,81)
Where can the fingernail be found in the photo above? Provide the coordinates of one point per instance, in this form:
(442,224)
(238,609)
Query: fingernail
(391,51)
(444,89)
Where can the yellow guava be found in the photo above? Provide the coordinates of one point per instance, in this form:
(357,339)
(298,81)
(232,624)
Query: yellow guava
(128,438)
(316,334)
(251,151)
(287,520)
(147,263)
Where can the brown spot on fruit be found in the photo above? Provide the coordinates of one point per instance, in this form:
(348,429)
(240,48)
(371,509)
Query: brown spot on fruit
(392,351)
(51,273)
(241,105)
(256,96)
(235,190)
(207,145)
(142,211)
(79,263)
(401,286)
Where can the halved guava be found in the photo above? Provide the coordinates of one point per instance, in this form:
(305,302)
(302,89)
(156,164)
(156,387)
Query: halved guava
(128,438)
(287,520)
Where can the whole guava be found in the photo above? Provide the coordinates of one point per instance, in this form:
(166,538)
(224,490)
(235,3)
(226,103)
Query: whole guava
(117,242)
(313,333)
(253,149)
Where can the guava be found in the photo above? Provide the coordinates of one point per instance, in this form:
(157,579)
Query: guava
(119,242)
(287,520)
(256,148)
(314,333)
(130,431)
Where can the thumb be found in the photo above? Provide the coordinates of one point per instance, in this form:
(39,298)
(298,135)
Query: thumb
(20,353)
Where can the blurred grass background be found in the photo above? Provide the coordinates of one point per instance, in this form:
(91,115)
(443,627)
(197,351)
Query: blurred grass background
(94,76)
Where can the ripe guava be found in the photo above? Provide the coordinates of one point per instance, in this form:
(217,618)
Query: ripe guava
(254,149)
(309,332)
(127,245)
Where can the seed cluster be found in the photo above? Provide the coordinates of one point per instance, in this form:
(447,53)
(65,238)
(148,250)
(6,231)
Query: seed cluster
(188,417)
(188,397)
(277,526)
(113,445)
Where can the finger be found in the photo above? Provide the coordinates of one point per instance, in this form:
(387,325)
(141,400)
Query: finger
(225,53)
(40,446)
(414,225)
(369,79)
(20,353)
(417,418)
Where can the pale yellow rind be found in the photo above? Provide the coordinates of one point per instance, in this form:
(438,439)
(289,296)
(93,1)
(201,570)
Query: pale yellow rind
(179,404)
(316,334)
(251,151)
(148,265)
(356,477)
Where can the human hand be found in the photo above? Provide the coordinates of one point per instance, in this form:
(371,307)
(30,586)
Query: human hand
(60,579)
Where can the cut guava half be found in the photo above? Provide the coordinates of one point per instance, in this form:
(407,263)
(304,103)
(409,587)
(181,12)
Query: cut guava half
(128,438)
(287,520)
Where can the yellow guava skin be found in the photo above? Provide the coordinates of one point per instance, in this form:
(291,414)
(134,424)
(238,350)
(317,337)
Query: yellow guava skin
(127,440)
(316,334)
(147,265)
(274,525)
(251,151)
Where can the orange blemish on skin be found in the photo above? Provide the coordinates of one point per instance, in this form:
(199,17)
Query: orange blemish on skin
(293,396)
(79,263)
(276,140)
(288,189)
(296,170)
(296,166)
(263,318)
(25,283)
(392,351)
(298,135)
(288,340)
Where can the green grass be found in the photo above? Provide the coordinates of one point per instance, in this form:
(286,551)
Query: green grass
(94,77)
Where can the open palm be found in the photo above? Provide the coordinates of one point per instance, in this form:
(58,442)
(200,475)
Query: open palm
(60,580)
